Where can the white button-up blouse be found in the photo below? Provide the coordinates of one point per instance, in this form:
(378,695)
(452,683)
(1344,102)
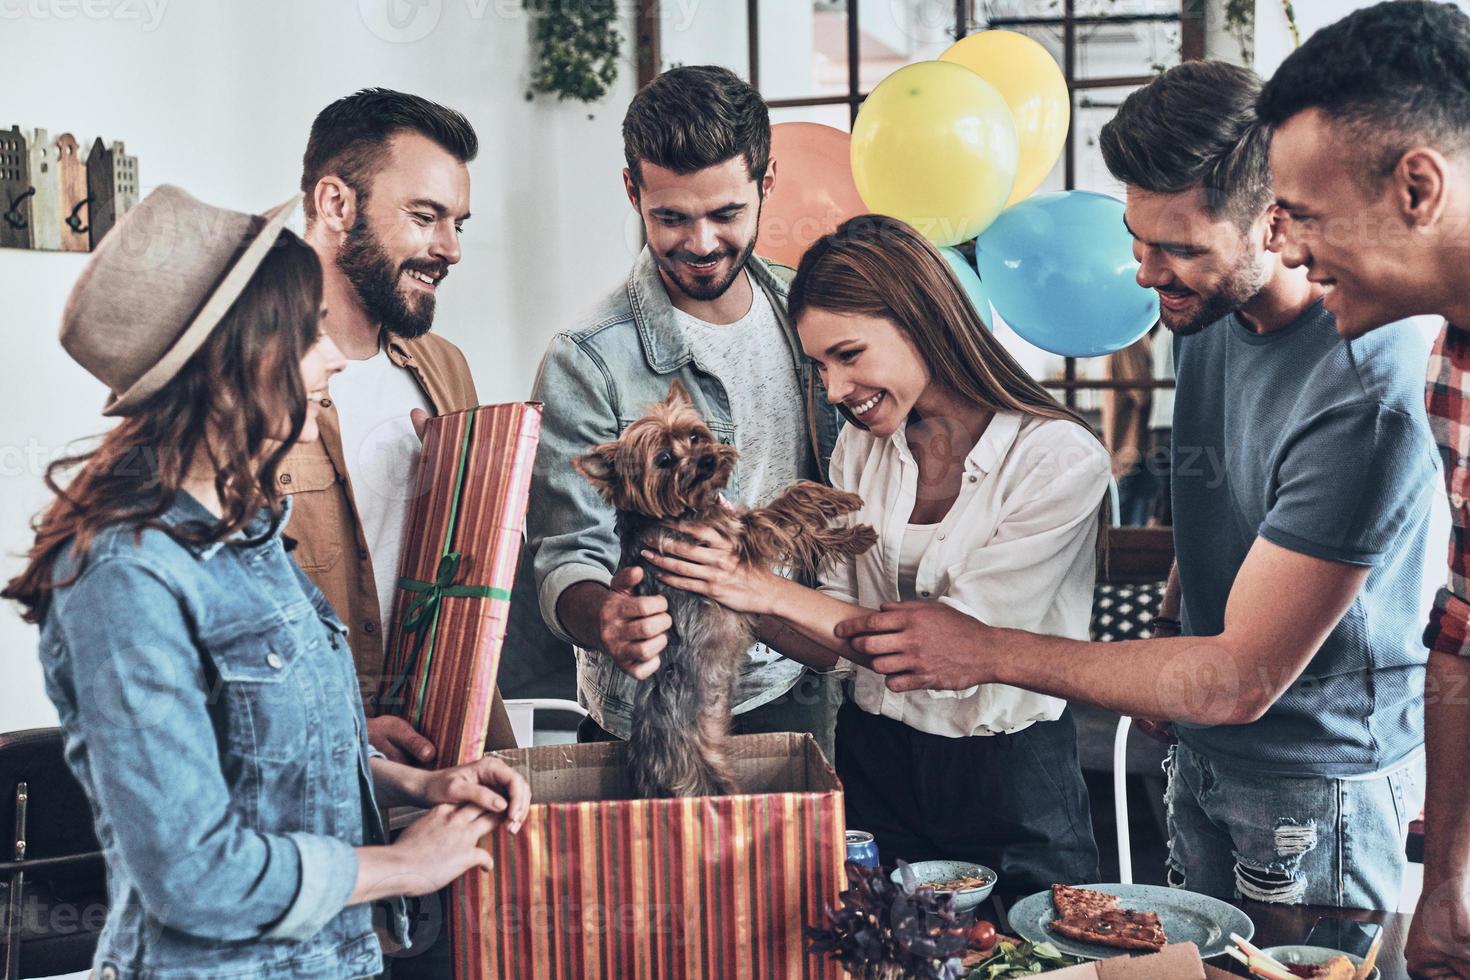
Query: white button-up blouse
(1017,549)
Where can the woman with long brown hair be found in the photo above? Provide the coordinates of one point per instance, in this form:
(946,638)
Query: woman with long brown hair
(209,703)
(987,496)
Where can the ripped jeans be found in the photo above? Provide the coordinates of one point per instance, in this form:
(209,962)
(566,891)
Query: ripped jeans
(1311,840)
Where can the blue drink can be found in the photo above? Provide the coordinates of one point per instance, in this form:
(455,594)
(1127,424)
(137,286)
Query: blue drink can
(862,848)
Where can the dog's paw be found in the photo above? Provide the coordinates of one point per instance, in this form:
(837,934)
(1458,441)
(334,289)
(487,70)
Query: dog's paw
(857,540)
(808,497)
(845,502)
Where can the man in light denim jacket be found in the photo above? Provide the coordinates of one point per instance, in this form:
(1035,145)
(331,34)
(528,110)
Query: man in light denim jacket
(698,307)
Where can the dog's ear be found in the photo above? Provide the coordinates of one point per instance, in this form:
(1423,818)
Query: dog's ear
(678,395)
(598,469)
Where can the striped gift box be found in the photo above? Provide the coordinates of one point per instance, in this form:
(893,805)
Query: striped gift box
(460,549)
(599,885)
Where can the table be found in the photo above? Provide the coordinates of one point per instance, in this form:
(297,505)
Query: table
(1281,925)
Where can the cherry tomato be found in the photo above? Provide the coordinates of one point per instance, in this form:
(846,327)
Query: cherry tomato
(981,935)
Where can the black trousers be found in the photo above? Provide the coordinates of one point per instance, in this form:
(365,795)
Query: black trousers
(1014,803)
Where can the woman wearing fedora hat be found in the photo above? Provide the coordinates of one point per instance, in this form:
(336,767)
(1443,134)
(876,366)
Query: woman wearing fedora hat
(208,698)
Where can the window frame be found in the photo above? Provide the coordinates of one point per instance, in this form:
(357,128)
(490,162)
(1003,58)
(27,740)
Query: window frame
(1191,19)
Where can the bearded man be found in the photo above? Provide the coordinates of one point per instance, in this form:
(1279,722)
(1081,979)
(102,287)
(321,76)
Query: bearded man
(387,193)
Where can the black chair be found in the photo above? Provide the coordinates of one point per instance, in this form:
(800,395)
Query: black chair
(53,888)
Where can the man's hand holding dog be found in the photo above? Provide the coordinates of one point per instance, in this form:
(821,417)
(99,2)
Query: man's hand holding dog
(627,627)
(632,628)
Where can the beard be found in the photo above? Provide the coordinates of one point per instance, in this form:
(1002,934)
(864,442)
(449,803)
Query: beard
(1241,285)
(702,288)
(366,264)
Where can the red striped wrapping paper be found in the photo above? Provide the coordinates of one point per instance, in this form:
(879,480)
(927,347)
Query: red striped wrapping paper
(597,886)
(469,501)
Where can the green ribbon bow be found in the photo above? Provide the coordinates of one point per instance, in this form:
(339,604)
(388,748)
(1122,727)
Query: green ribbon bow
(422,616)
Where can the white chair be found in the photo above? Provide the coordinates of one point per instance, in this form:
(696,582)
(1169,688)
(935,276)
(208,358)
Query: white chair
(1120,800)
(1122,623)
(522,713)
(1120,751)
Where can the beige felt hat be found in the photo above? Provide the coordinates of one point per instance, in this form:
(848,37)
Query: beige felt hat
(156,287)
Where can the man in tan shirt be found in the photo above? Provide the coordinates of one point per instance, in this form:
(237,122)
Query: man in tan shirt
(387,192)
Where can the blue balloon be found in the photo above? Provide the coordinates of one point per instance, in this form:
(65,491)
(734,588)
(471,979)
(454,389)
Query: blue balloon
(970,279)
(1060,271)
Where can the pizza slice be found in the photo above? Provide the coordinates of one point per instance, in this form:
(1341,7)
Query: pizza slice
(1092,916)
(1072,902)
(1120,928)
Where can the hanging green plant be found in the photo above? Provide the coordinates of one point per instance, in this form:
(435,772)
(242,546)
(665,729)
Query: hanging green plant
(577,48)
(1296,35)
(1240,23)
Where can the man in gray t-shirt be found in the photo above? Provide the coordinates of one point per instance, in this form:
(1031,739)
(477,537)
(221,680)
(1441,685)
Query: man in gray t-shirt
(1302,479)
(700,308)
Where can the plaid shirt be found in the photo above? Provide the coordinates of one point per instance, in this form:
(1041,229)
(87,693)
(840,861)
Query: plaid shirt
(1448,400)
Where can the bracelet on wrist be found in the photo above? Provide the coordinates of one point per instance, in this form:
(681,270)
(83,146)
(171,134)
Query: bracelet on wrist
(1167,623)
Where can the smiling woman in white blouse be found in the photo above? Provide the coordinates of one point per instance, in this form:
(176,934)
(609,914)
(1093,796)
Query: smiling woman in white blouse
(987,496)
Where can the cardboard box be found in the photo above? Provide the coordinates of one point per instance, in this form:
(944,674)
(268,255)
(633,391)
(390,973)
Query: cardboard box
(460,549)
(1177,961)
(603,886)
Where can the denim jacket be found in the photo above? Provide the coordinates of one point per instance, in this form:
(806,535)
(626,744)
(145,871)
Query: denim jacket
(210,710)
(595,380)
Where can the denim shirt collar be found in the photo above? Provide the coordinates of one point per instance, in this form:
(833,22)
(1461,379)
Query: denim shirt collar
(663,342)
(186,509)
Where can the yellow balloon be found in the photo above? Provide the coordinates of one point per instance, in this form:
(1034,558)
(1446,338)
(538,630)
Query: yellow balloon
(934,145)
(1028,78)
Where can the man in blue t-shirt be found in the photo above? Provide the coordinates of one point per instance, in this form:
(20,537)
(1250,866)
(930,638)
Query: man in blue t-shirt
(1303,471)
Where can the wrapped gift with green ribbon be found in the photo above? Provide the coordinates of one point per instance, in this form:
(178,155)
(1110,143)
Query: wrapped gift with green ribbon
(461,546)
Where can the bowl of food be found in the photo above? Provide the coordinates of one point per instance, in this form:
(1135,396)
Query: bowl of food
(969,883)
(1318,962)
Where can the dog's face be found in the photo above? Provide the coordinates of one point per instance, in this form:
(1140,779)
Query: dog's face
(667,464)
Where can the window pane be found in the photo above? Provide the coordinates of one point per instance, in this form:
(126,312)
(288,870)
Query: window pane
(704,34)
(1091,110)
(900,32)
(803,46)
(1121,48)
(1084,8)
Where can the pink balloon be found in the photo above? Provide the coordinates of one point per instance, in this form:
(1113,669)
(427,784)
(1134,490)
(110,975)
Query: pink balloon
(813,193)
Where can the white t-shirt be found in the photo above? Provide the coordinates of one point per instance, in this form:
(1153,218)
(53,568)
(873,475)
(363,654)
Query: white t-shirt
(916,538)
(1017,550)
(374,398)
(753,361)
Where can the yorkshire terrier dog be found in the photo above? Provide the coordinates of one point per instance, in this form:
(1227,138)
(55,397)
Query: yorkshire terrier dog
(668,468)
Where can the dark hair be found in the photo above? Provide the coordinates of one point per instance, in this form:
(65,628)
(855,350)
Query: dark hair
(349,138)
(694,117)
(235,389)
(876,265)
(1395,74)
(1194,125)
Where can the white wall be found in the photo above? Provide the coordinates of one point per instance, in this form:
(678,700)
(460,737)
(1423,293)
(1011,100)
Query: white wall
(218,96)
